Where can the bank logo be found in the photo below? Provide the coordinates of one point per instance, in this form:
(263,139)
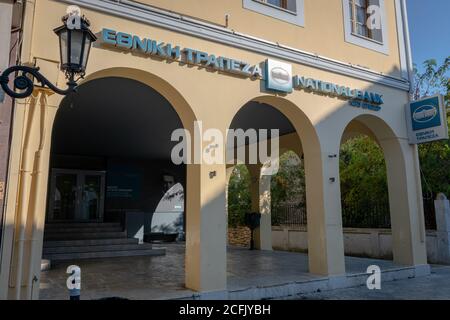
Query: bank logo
(425,114)
(278,76)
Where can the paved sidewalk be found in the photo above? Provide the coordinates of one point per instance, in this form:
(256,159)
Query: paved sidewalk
(163,277)
(434,287)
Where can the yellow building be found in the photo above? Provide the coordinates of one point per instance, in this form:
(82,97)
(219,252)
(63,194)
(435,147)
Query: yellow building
(315,70)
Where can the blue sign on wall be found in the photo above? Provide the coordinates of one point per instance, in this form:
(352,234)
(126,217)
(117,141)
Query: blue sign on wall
(425,114)
(427,121)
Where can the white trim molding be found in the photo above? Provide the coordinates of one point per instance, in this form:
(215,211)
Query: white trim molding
(361,41)
(296,17)
(195,28)
(401,39)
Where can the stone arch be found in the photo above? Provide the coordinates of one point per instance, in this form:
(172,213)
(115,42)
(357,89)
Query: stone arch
(325,241)
(405,196)
(29,184)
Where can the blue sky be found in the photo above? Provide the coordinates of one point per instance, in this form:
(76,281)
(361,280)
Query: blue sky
(429,25)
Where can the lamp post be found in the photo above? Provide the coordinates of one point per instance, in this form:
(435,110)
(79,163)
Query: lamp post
(75,41)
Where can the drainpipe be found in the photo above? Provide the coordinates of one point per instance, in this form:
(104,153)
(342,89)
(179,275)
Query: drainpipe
(6,106)
(6,12)
(23,179)
(410,67)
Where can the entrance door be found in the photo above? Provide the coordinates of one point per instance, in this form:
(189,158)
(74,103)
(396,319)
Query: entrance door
(76,195)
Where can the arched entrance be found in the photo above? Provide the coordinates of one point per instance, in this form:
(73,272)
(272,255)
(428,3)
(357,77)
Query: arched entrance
(110,169)
(408,245)
(33,133)
(299,135)
(262,126)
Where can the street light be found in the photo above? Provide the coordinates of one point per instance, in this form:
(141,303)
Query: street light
(75,39)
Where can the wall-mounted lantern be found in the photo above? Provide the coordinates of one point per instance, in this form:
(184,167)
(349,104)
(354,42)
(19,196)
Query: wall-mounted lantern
(75,40)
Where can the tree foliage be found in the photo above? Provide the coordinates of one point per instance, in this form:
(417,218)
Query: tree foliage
(433,79)
(239,197)
(288,185)
(362,173)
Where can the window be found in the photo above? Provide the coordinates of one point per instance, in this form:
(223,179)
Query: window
(289,5)
(365,24)
(290,11)
(359,17)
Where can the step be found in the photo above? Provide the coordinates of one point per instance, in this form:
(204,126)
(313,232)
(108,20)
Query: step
(52,225)
(84,235)
(88,242)
(104,254)
(109,247)
(82,229)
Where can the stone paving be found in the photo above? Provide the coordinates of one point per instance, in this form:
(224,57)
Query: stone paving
(163,277)
(434,287)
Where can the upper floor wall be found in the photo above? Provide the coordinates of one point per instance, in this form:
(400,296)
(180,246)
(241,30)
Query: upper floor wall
(320,27)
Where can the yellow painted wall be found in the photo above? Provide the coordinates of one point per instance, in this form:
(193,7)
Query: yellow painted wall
(45,45)
(323,33)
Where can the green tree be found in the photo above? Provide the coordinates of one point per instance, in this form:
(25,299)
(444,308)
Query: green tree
(288,184)
(362,173)
(432,80)
(239,197)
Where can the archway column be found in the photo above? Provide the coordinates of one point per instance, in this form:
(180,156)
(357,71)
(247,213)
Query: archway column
(261,202)
(206,227)
(27,182)
(405,199)
(325,235)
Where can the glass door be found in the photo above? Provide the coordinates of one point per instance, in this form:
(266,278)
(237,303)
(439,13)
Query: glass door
(64,196)
(91,204)
(76,195)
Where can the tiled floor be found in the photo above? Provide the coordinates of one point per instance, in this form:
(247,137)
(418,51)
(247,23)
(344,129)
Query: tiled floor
(163,277)
(434,287)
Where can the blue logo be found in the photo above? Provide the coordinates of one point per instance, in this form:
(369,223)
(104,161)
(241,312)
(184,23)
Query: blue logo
(278,76)
(425,114)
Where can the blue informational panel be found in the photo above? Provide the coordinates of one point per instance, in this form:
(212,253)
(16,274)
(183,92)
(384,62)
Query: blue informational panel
(123,182)
(427,120)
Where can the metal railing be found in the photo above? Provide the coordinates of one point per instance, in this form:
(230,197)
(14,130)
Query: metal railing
(370,215)
(373,215)
(289,215)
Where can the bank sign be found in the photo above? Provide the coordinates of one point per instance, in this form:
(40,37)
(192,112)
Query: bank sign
(276,75)
(427,120)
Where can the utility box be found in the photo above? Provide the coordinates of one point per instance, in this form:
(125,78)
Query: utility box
(252,221)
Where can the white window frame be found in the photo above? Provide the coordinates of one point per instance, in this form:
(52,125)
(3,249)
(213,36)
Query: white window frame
(368,43)
(267,9)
